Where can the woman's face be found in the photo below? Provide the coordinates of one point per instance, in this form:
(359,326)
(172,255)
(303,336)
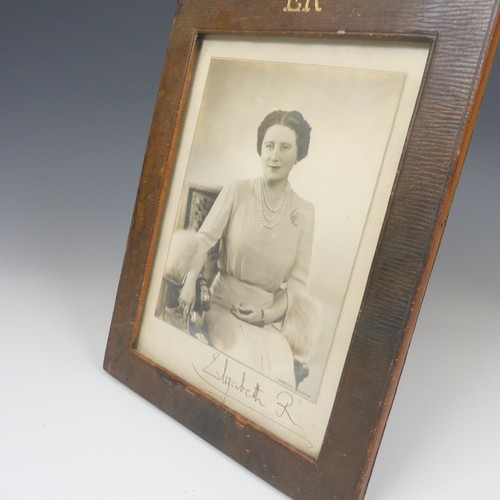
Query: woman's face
(279,153)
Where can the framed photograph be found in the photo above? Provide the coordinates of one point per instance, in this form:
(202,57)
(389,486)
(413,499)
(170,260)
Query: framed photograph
(300,169)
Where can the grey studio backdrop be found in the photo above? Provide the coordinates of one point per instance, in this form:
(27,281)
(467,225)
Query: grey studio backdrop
(78,83)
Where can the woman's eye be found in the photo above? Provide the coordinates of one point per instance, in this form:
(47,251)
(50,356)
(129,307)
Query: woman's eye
(284,147)
(269,146)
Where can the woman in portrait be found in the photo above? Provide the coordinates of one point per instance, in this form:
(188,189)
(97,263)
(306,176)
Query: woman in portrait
(260,312)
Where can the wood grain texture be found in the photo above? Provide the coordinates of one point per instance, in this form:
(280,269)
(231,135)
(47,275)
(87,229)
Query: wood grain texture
(465,35)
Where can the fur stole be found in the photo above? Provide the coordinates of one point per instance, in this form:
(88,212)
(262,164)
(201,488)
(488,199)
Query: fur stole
(302,324)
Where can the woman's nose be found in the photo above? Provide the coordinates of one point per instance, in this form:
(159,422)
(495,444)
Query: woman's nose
(274,154)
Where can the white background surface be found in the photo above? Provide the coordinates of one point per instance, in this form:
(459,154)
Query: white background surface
(77,99)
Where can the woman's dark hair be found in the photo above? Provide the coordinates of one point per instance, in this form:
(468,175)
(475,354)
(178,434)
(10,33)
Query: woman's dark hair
(291,119)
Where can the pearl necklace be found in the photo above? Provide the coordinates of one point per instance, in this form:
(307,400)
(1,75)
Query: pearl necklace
(273,221)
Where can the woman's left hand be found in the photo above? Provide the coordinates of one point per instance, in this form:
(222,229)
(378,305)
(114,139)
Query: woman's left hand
(247,313)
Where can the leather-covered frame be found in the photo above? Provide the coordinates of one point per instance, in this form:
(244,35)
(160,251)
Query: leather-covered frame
(464,36)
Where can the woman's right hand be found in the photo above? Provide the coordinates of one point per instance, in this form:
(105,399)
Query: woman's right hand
(187,299)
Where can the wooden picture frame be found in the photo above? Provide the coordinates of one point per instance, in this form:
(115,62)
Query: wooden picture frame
(430,62)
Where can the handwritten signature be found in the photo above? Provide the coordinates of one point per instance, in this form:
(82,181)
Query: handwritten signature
(227,379)
(254,393)
(219,374)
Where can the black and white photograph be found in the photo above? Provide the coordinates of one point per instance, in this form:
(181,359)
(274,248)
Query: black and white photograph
(256,309)
(269,215)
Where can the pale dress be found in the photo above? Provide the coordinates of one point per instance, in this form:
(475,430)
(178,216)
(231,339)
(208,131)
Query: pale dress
(255,263)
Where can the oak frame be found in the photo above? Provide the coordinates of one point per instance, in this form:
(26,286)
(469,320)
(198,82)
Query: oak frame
(463,39)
